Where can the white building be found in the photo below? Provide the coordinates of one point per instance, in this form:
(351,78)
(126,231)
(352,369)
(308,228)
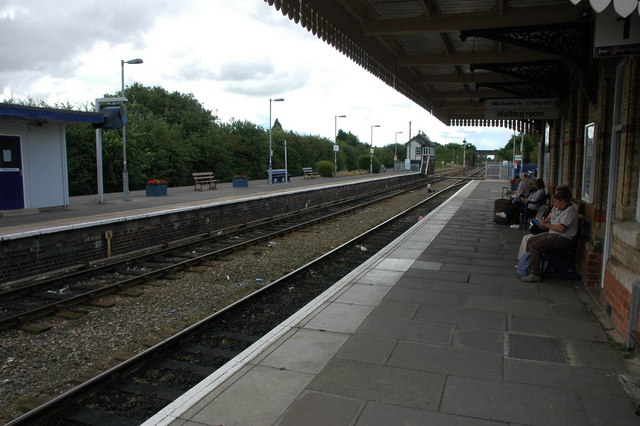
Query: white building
(421,154)
(33,160)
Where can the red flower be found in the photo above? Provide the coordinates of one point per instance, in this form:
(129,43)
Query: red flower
(157,181)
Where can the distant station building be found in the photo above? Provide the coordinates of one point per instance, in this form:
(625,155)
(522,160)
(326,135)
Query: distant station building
(421,154)
(33,160)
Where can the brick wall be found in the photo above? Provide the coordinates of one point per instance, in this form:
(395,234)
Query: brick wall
(617,303)
(35,255)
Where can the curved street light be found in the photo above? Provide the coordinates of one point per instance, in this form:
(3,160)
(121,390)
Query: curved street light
(270,140)
(125,172)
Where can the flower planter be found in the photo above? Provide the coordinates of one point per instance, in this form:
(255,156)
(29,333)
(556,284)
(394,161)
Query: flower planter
(156,189)
(240,182)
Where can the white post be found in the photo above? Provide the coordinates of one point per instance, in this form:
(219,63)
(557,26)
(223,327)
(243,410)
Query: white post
(270,139)
(286,169)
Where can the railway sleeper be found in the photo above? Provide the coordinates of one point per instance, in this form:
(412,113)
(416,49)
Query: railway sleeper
(198,370)
(156,391)
(213,352)
(88,416)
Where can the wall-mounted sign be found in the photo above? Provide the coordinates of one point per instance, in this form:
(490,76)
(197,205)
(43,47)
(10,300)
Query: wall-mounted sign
(522,109)
(616,36)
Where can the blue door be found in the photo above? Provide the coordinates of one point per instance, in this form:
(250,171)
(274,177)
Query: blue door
(11,195)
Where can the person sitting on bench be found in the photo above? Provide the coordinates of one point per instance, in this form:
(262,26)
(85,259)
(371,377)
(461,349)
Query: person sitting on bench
(533,202)
(562,223)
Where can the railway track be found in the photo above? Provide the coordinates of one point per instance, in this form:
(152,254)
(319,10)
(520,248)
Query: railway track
(61,294)
(139,387)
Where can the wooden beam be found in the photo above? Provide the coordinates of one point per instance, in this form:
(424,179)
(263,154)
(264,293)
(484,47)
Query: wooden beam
(512,17)
(470,94)
(474,58)
(483,77)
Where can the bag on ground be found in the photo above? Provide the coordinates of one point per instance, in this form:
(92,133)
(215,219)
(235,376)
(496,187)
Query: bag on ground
(523,268)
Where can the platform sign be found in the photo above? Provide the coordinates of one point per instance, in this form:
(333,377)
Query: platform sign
(522,109)
(616,36)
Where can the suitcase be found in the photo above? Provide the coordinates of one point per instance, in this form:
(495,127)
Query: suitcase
(500,205)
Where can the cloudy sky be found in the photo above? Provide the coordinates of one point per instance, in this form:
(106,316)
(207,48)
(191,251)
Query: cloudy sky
(232,55)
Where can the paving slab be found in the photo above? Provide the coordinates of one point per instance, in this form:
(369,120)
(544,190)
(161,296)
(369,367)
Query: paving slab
(388,308)
(377,414)
(447,359)
(608,410)
(319,409)
(589,330)
(390,385)
(340,318)
(482,339)
(265,394)
(363,294)
(398,328)
(563,376)
(463,316)
(532,308)
(512,402)
(426,297)
(307,351)
(372,349)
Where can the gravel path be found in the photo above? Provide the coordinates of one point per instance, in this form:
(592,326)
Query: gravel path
(34,367)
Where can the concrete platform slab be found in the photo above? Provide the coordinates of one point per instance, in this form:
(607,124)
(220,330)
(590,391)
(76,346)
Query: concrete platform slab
(512,402)
(463,316)
(407,329)
(376,414)
(319,409)
(265,394)
(306,351)
(390,385)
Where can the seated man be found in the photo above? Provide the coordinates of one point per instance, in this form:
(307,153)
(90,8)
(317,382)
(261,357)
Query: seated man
(562,224)
(515,208)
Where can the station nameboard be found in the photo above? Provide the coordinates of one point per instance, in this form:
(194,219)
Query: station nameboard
(522,109)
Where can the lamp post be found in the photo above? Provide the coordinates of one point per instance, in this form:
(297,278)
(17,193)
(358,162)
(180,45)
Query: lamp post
(125,172)
(395,152)
(371,150)
(335,143)
(464,155)
(270,139)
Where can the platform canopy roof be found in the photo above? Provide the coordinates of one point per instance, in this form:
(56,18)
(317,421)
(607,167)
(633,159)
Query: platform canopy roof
(68,116)
(450,56)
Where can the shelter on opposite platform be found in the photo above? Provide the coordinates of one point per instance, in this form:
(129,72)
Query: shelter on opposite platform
(33,155)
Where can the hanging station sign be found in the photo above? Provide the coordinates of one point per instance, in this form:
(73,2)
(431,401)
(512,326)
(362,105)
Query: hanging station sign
(616,36)
(521,109)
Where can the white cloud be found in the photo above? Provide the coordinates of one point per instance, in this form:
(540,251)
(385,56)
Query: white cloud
(231,55)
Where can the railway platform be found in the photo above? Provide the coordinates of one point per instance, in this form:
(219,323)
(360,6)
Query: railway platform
(434,329)
(87,208)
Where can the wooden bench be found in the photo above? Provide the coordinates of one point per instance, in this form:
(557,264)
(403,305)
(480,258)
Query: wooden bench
(279,175)
(308,173)
(204,178)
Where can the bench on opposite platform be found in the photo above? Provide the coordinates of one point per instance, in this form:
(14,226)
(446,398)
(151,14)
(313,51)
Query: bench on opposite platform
(279,175)
(204,178)
(308,173)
